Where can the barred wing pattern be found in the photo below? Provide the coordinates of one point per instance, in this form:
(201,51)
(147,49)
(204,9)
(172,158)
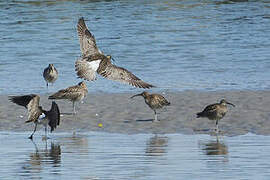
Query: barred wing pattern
(120,74)
(87,40)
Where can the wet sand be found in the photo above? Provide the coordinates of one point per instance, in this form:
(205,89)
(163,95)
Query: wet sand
(120,114)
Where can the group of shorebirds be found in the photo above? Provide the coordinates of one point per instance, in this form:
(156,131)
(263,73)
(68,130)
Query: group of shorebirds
(92,61)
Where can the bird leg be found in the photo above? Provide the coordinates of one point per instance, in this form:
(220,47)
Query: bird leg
(31,137)
(46,133)
(73,105)
(155,116)
(47,84)
(217,130)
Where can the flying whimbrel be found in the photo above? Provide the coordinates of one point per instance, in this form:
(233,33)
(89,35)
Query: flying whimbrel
(50,74)
(93,60)
(154,101)
(73,93)
(215,111)
(35,112)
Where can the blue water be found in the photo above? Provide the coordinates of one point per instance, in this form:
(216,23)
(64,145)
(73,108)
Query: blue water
(100,156)
(175,45)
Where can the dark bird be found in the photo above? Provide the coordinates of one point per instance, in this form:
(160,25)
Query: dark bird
(215,111)
(73,93)
(50,74)
(93,60)
(154,101)
(35,112)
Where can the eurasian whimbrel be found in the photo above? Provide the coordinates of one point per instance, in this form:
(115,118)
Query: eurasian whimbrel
(93,60)
(154,101)
(73,93)
(215,111)
(50,74)
(35,112)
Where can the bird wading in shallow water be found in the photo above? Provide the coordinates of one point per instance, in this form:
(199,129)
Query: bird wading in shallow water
(93,60)
(50,74)
(35,112)
(215,111)
(73,93)
(154,101)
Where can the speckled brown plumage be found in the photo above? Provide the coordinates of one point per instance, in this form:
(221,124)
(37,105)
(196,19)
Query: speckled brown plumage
(215,111)
(50,74)
(31,103)
(93,60)
(154,101)
(73,93)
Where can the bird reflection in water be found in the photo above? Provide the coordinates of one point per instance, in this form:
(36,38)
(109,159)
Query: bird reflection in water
(43,156)
(214,147)
(157,146)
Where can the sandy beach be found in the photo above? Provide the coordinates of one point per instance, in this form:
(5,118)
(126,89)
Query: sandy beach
(120,114)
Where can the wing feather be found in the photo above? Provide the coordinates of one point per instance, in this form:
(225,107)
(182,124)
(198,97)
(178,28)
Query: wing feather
(87,40)
(53,116)
(120,74)
(31,102)
(87,70)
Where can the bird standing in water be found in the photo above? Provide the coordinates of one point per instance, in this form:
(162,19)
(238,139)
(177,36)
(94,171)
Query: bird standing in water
(35,112)
(93,60)
(154,101)
(215,111)
(73,93)
(50,74)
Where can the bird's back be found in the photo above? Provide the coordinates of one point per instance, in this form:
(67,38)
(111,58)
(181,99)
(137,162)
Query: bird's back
(156,101)
(213,111)
(73,93)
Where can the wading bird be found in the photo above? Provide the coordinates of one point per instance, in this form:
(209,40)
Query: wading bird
(93,60)
(154,101)
(50,74)
(215,111)
(35,112)
(73,93)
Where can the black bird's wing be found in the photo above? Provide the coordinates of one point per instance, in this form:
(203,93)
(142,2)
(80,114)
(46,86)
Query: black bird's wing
(87,40)
(53,116)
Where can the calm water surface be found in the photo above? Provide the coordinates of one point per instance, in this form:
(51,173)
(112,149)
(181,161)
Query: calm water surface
(175,45)
(141,156)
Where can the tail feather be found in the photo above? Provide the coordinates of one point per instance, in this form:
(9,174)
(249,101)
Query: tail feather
(56,96)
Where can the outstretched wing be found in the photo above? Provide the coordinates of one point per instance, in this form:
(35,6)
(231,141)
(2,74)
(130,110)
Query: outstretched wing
(87,40)
(87,70)
(120,74)
(31,102)
(53,116)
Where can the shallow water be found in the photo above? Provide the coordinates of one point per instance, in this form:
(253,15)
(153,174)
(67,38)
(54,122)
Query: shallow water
(140,156)
(175,45)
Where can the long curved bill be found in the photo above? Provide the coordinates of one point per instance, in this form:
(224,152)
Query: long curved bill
(135,95)
(230,104)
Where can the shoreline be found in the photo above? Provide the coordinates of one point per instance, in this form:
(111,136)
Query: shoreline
(120,114)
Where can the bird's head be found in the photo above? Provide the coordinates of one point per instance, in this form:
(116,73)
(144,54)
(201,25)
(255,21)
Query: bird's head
(82,84)
(224,102)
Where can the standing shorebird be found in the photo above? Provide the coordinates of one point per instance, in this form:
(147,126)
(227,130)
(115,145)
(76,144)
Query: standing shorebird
(35,112)
(93,60)
(73,93)
(154,101)
(50,74)
(215,111)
